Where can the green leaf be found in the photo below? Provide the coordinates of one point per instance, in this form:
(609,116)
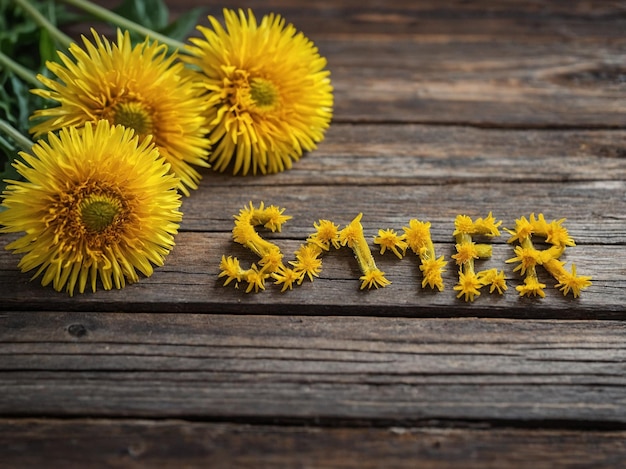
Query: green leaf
(8,152)
(152,14)
(183,25)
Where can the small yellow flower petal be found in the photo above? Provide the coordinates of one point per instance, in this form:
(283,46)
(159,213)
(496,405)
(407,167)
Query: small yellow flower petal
(288,277)
(468,286)
(531,287)
(389,239)
(374,278)
(307,261)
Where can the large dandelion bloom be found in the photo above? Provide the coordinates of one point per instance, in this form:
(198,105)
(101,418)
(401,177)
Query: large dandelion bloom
(95,203)
(269,95)
(140,87)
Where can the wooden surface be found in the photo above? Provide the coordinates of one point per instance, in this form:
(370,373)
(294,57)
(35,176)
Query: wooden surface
(441,108)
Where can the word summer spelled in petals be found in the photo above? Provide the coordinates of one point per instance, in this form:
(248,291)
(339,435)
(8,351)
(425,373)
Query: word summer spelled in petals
(416,238)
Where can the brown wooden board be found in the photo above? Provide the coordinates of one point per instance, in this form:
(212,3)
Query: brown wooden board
(372,371)
(175,443)
(441,108)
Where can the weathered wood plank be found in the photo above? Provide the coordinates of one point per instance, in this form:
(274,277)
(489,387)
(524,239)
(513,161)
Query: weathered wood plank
(409,155)
(562,20)
(140,443)
(189,282)
(313,369)
(510,65)
(392,174)
(499,84)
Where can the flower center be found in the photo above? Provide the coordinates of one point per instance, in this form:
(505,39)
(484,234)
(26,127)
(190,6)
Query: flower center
(98,212)
(134,115)
(263,93)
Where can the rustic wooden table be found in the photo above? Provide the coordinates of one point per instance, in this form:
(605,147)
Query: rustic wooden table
(441,108)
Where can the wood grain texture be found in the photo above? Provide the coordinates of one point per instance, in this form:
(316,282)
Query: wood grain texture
(392,174)
(441,108)
(369,371)
(172,443)
(551,64)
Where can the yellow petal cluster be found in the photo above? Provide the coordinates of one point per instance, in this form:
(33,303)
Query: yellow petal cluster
(467,251)
(415,237)
(96,204)
(307,263)
(140,87)
(269,97)
(528,257)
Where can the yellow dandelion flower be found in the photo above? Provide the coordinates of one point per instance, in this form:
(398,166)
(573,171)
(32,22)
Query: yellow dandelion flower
(468,285)
(271,260)
(272,218)
(487,226)
(528,257)
(531,287)
(231,269)
(389,239)
(373,278)
(140,87)
(573,282)
(463,224)
(558,235)
(418,235)
(495,279)
(268,92)
(466,252)
(352,234)
(287,277)
(523,230)
(326,233)
(307,261)
(431,270)
(95,204)
(255,279)
(244,233)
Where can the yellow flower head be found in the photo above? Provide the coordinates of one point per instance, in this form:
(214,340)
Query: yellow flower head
(94,204)
(389,239)
(231,269)
(432,269)
(558,235)
(463,224)
(573,282)
(418,235)
(269,95)
(287,277)
(373,278)
(528,258)
(523,229)
(140,87)
(531,287)
(326,233)
(468,286)
(466,252)
(495,279)
(307,260)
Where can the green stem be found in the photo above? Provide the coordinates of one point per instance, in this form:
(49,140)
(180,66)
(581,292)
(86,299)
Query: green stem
(21,71)
(24,143)
(42,21)
(109,16)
